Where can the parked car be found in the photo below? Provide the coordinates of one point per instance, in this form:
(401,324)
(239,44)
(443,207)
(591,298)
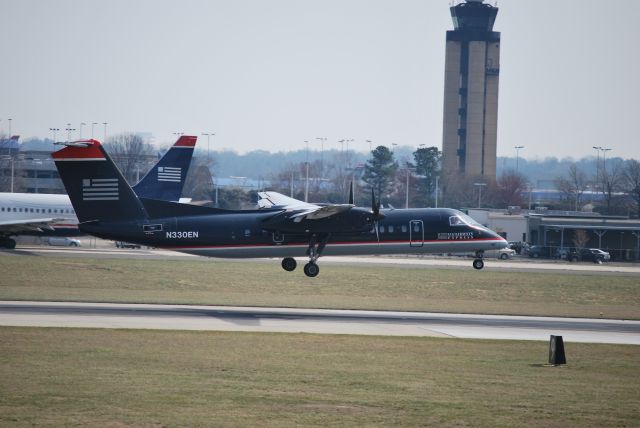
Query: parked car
(595,255)
(64,241)
(122,244)
(536,251)
(503,254)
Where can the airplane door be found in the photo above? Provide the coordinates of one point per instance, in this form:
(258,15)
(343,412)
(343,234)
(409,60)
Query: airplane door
(416,233)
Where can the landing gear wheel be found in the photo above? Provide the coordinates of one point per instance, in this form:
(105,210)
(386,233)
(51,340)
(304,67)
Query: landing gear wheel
(504,256)
(478,264)
(311,269)
(289,264)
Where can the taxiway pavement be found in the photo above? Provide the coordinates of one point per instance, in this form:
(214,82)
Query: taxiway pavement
(224,318)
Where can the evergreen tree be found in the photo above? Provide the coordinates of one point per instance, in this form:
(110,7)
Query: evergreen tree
(380,171)
(427,168)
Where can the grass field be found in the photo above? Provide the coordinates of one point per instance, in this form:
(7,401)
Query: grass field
(118,378)
(362,287)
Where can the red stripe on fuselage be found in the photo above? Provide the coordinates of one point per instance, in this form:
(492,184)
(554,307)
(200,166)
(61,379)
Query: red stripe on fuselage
(332,243)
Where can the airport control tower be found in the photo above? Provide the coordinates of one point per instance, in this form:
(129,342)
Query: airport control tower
(472,67)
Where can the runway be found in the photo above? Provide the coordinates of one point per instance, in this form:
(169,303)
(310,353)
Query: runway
(224,318)
(520,264)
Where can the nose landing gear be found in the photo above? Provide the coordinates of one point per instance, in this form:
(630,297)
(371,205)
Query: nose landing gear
(478,263)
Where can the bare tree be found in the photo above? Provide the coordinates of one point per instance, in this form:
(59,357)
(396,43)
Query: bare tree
(611,179)
(631,176)
(573,186)
(580,238)
(198,184)
(509,189)
(132,155)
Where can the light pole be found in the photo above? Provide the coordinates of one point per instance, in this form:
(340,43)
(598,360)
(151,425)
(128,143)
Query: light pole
(105,131)
(479,185)
(604,159)
(597,149)
(517,155)
(208,134)
(437,189)
(406,199)
(93,124)
(69,129)
(370,149)
(348,159)
(55,132)
(306,185)
(80,133)
(10,132)
(322,140)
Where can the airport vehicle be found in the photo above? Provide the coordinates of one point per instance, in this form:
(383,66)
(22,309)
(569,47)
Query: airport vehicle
(64,241)
(594,255)
(108,208)
(502,254)
(539,251)
(45,214)
(122,244)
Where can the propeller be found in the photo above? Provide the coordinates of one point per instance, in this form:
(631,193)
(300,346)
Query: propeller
(377,216)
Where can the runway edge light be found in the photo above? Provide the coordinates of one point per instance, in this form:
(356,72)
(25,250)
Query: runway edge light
(556,351)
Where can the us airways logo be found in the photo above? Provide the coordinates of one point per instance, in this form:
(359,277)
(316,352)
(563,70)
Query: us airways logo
(100,189)
(168,173)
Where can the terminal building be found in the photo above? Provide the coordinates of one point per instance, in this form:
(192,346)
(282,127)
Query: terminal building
(472,68)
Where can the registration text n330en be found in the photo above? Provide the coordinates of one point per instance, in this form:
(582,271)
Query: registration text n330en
(181,235)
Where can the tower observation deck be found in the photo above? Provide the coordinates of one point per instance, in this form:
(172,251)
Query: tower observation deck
(472,69)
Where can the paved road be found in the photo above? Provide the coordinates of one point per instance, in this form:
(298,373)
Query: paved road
(516,264)
(224,318)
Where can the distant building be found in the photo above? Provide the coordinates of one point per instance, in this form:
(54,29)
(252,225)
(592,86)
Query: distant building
(472,67)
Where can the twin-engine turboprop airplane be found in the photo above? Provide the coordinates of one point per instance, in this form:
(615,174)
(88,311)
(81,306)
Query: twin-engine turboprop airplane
(283,227)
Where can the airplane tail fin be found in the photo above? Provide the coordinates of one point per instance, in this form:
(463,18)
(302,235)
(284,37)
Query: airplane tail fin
(96,188)
(166,180)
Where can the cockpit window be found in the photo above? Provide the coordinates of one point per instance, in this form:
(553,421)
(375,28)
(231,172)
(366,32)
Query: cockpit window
(461,219)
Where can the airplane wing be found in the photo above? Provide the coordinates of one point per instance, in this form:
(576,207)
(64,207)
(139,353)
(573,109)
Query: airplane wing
(321,212)
(9,227)
(278,200)
(307,210)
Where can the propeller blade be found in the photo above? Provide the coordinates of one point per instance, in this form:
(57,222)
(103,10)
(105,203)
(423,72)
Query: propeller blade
(351,193)
(375,207)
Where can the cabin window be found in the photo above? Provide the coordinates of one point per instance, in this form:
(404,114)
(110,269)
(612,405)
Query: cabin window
(15,209)
(2,209)
(416,227)
(390,229)
(247,233)
(404,228)
(381,229)
(20,210)
(49,210)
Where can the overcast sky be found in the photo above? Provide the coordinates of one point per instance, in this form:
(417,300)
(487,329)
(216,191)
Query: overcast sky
(269,74)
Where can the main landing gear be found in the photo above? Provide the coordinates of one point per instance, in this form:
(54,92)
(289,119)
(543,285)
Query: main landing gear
(8,243)
(478,263)
(311,269)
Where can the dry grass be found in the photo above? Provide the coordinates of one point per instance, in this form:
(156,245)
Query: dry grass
(117,378)
(363,287)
